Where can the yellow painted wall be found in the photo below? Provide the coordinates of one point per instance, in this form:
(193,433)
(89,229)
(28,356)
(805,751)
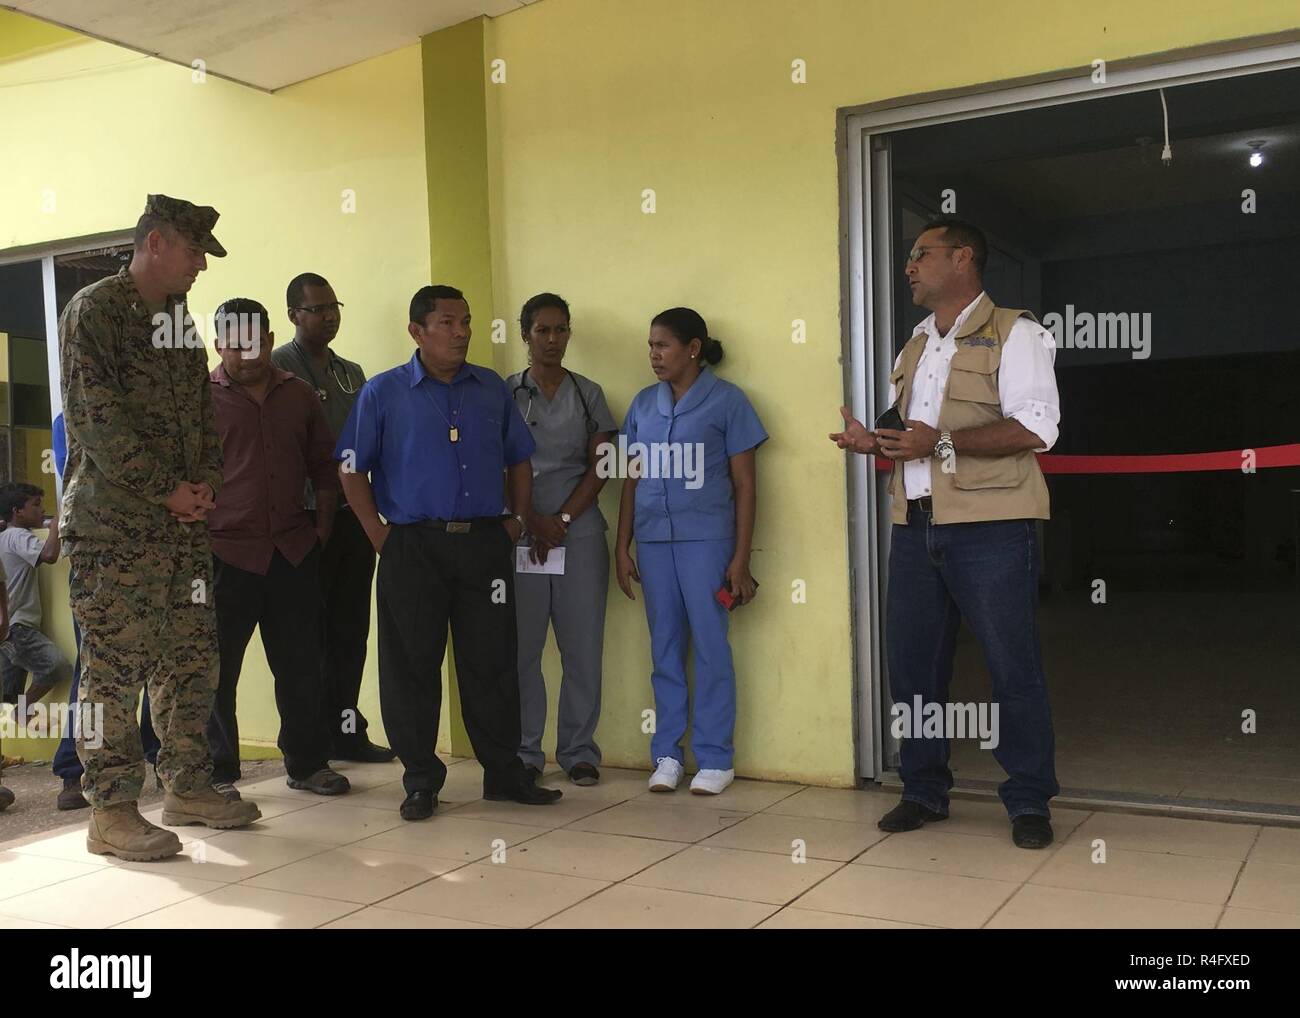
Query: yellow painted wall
(456,147)
(696,101)
(456,154)
(103,127)
(23,37)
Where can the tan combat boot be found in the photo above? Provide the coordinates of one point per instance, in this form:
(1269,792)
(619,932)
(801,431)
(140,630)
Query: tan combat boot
(120,830)
(209,807)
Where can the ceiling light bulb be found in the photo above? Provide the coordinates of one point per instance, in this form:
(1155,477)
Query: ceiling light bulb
(1256,159)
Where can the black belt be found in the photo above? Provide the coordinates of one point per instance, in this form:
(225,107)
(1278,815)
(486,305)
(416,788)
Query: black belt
(462,526)
(924,503)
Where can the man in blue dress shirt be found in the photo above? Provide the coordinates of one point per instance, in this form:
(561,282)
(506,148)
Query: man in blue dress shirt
(428,445)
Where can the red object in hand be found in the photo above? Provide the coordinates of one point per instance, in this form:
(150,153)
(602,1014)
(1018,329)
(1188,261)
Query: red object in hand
(726,598)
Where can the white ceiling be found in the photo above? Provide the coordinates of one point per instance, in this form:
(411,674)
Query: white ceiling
(264,43)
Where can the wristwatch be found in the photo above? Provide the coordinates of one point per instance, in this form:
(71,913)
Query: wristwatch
(944,447)
(566,519)
(523,528)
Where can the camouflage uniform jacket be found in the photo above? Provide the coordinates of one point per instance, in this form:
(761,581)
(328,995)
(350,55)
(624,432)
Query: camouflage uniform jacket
(139,418)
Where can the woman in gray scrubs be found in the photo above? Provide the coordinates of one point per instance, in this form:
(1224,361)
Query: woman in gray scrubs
(569,418)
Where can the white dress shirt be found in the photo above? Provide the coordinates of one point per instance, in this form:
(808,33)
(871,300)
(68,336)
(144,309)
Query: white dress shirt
(1026,385)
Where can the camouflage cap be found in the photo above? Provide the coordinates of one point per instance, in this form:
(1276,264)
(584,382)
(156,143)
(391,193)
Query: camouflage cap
(194,221)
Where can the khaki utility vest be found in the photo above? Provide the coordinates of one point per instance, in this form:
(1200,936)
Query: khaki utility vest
(981,488)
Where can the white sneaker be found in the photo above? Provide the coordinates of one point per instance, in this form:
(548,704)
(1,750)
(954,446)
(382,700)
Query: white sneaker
(666,776)
(712,782)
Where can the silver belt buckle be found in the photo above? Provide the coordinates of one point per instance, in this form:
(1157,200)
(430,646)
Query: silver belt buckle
(457,527)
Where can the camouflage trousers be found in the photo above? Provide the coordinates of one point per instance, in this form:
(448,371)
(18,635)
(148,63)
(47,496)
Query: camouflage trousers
(147,621)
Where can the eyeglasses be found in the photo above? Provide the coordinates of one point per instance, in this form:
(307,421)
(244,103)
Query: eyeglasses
(917,253)
(319,309)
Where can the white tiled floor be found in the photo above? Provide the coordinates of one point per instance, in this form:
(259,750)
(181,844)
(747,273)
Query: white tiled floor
(770,855)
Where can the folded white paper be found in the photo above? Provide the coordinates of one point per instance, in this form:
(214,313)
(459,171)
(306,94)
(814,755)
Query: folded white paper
(554,562)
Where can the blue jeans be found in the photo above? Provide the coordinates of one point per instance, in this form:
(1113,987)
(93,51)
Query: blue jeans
(67,765)
(986,573)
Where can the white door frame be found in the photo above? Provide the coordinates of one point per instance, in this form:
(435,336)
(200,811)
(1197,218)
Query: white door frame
(45,255)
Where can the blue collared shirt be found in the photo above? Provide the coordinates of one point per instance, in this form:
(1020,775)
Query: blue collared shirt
(399,432)
(692,443)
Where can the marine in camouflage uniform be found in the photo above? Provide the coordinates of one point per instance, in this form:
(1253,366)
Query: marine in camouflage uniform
(140,421)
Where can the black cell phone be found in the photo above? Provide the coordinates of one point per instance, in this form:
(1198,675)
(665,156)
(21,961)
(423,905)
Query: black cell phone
(891,419)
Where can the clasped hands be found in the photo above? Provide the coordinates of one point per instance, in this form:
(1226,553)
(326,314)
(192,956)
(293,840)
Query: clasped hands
(190,502)
(548,532)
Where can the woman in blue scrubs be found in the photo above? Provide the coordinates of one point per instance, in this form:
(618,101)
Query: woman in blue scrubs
(689,502)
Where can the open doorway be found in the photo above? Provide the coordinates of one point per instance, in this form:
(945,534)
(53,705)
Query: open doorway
(33,293)
(1170,588)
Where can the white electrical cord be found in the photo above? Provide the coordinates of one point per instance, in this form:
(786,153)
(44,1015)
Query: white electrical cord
(1166,154)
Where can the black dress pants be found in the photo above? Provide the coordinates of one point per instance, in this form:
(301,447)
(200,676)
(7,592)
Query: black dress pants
(429,579)
(347,572)
(285,603)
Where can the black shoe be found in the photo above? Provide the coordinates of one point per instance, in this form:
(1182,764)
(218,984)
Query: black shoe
(6,798)
(362,750)
(908,816)
(1031,831)
(584,774)
(71,797)
(227,791)
(322,782)
(534,772)
(521,789)
(419,806)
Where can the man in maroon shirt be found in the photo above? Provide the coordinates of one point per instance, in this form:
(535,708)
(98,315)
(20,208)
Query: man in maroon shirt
(266,547)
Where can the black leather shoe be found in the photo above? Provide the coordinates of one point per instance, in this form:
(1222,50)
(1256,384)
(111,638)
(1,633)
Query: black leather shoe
(324,782)
(362,750)
(1031,831)
(6,798)
(522,789)
(908,816)
(419,806)
(584,774)
(71,797)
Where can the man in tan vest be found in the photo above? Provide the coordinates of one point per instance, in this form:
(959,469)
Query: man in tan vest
(976,389)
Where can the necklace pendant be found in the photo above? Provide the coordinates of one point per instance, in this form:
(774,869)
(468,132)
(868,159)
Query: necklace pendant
(321,394)
(454,435)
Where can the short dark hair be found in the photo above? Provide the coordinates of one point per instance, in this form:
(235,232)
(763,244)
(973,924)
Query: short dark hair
(300,282)
(145,225)
(231,311)
(965,233)
(686,324)
(535,304)
(426,299)
(15,495)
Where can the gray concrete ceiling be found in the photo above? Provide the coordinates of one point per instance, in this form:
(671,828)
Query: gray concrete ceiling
(264,43)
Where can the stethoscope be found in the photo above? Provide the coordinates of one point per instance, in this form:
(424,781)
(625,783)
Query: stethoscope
(592,426)
(344,384)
